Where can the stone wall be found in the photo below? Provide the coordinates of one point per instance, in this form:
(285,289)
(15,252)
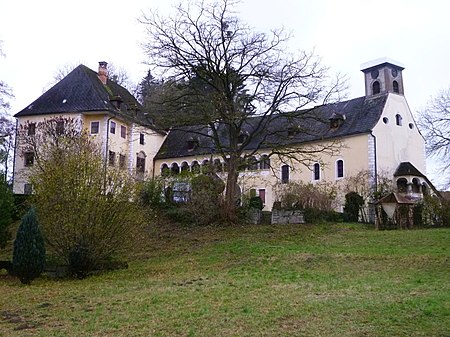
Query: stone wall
(282,216)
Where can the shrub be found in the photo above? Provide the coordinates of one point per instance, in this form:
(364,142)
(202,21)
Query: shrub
(6,211)
(302,196)
(29,249)
(256,202)
(353,204)
(81,260)
(151,193)
(205,202)
(79,200)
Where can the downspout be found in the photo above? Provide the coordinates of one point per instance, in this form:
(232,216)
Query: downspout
(106,152)
(14,157)
(375,160)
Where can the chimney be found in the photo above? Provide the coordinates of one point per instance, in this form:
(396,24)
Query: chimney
(103,71)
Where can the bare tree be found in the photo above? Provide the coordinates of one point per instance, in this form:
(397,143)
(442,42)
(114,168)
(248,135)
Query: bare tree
(237,82)
(434,123)
(7,127)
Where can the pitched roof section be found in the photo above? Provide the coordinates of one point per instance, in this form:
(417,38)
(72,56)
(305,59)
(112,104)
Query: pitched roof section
(407,169)
(359,115)
(80,91)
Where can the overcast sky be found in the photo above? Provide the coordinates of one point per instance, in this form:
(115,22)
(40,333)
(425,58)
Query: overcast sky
(40,37)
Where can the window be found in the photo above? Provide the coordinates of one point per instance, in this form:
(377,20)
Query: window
(140,163)
(340,168)
(28,159)
(385,120)
(59,127)
(95,126)
(252,163)
(395,86)
(264,162)
(262,195)
(27,188)
(165,172)
(31,129)
(112,158)
(398,120)
(218,165)
(316,172)
(112,127)
(122,161)
(141,139)
(192,143)
(376,88)
(285,174)
(206,167)
(195,167)
(123,131)
(242,138)
(184,167)
(175,169)
(411,126)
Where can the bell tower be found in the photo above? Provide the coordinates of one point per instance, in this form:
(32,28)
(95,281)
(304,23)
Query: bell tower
(382,76)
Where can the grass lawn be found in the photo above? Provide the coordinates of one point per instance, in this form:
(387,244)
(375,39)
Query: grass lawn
(286,280)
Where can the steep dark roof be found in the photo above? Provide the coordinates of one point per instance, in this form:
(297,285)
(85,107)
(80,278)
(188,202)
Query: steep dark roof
(358,116)
(82,91)
(407,169)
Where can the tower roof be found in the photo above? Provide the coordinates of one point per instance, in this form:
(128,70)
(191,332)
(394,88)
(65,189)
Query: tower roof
(380,62)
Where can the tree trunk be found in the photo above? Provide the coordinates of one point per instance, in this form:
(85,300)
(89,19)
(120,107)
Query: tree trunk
(231,190)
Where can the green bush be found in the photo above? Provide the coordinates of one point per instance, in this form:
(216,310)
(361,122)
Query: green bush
(256,202)
(29,249)
(6,212)
(81,260)
(205,203)
(313,215)
(353,204)
(151,193)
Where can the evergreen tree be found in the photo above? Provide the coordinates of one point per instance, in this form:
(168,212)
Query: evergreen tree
(29,249)
(353,204)
(6,209)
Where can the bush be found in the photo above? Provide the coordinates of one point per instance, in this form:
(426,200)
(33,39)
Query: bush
(205,203)
(256,202)
(151,193)
(302,196)
(6,212)
(29,249)
(313,215)
(353,204)
(81,260)
(84,206)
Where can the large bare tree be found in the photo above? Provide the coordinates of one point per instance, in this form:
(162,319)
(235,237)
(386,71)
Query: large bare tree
(7,126)
(434,123)
(220,73)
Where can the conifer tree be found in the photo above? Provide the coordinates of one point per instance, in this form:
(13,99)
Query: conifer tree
(6,209)
(29,249)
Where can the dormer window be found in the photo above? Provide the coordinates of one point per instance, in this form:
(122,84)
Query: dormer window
(242,138)
(116,101)
(192,143)
(336,120)
(293,131)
